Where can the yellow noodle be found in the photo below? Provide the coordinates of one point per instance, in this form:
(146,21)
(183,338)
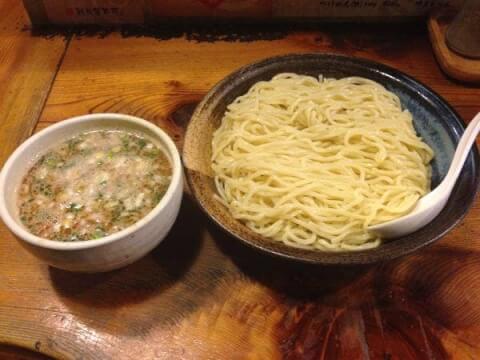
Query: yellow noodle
(313,162)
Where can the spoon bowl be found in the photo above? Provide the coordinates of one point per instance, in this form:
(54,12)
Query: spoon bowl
(429,206)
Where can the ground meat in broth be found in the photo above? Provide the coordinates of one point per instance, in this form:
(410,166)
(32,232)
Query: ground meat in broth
(93,185)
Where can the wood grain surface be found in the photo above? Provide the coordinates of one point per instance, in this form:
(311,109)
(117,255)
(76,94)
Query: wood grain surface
(201,294)
(27,68)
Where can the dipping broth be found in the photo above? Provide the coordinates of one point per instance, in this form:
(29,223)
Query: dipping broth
(93,185)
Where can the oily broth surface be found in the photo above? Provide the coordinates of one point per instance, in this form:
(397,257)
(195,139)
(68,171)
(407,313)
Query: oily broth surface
(93,185)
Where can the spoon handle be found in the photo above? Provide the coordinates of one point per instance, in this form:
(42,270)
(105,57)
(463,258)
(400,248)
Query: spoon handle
(461,153)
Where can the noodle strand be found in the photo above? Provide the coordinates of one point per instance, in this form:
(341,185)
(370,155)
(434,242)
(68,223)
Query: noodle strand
(313,162)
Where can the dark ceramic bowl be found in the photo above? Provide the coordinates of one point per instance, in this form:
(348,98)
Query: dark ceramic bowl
(436,122)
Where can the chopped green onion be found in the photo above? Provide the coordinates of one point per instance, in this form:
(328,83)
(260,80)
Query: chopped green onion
(73,207)
(98,233)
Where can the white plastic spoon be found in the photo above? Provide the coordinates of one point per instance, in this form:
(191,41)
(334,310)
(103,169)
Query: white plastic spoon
(429,206)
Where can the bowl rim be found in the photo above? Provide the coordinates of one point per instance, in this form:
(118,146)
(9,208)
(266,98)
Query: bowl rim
(167,144)
(323,257)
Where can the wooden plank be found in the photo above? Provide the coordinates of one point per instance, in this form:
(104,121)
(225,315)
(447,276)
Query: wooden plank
(151,78)
(201,294)
(27,68)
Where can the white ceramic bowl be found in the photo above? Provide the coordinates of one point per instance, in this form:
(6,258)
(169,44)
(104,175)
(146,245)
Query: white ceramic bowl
(110,252)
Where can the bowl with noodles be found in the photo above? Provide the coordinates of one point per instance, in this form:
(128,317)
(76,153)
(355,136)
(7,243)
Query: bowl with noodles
(298,155)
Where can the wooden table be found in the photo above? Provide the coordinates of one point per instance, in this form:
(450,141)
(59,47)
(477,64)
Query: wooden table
(200,294)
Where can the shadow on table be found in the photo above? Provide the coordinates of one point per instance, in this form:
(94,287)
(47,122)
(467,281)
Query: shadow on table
(298,281)
(12,352)
(148,277)
(390,42)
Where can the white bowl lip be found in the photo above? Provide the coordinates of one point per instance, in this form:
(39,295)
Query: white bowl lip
(26,236)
